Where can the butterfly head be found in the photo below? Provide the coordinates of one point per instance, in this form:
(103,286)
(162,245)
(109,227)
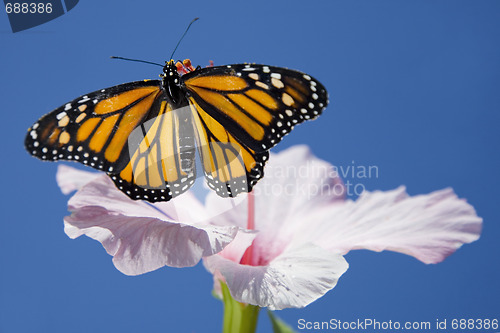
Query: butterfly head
(169,70)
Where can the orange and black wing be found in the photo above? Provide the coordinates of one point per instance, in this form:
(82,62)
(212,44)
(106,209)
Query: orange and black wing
(240,112)
(236,114)
(94,129)
(230,167)
(163,165)
(257,104)
(127,131)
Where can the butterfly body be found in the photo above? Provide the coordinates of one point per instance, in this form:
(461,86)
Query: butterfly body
(145,134)
(172,86)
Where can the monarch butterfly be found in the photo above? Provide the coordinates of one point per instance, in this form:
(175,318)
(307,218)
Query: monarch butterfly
(143,133)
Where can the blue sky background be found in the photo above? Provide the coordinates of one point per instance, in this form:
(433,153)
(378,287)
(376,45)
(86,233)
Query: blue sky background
(414,89)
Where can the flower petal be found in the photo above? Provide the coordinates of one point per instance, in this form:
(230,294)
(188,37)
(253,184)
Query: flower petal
(294,279)
(428,227)
(140,236)
(296,183)
(295,175)
(71,179)
(235,250)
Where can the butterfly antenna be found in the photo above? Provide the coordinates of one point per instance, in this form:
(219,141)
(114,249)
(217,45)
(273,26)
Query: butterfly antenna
(184,34)
(137,60)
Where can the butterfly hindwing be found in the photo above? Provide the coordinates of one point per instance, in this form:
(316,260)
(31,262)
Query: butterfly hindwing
(93,129)
(230,167)
(257,104)
(163,164)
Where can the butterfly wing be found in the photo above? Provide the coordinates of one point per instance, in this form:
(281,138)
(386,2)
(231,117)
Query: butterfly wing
(127,131)
(240,112)
(163,165)
(230,167)
(93,129)
(257,104)
(236,114)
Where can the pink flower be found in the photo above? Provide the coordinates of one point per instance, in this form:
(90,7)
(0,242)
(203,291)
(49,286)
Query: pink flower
(303,225)
(140,236)
(287,250)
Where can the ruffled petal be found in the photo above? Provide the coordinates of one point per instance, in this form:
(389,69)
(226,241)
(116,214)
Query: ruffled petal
(296,178)
(296,183)
(140,236)
(428,227)
(102,192)
(235,250)
(294,279)
(71,179)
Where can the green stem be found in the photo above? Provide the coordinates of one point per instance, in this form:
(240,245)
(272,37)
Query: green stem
(238,317)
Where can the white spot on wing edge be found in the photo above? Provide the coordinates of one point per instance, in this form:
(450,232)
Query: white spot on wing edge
(61,115)
(84,99)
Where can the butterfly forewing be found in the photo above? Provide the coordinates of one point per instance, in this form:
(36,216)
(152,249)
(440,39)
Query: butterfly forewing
(94,129)
(257,104)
